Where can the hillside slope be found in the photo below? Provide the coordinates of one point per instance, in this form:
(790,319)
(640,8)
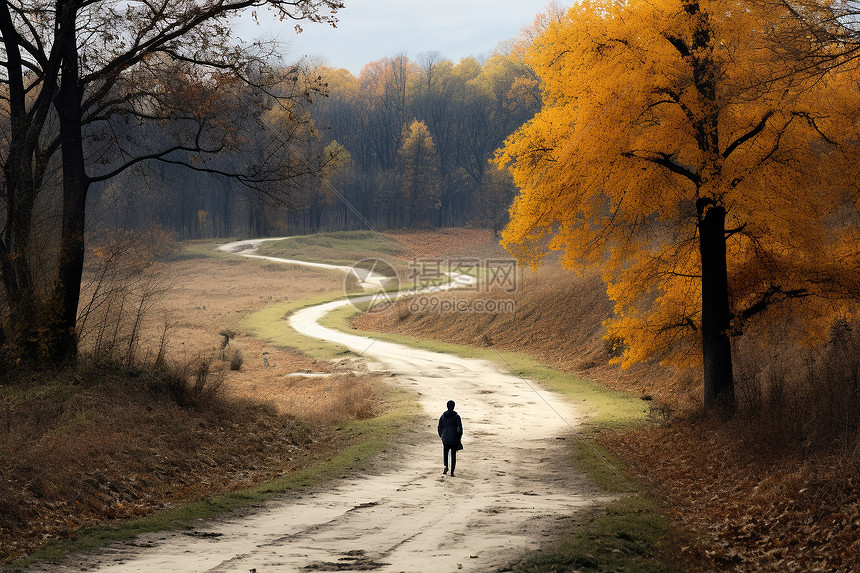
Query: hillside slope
(558,317)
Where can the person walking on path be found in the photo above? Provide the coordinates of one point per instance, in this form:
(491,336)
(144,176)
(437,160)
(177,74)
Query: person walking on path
(451,432)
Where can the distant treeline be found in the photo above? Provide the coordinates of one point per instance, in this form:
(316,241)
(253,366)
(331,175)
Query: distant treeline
(404,144)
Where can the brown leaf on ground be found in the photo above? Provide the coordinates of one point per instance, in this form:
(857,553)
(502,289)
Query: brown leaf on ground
(752,510)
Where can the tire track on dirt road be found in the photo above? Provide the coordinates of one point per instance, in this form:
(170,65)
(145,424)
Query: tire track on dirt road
(513,484)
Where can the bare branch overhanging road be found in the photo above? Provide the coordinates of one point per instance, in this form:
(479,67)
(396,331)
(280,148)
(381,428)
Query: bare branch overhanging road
(513,484)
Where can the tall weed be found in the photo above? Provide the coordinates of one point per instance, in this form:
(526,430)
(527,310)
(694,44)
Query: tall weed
(121,287)
(803,398)
(194,385)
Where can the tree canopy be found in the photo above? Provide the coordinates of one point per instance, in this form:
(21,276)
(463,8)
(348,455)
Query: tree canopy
(467,110)
(82,81)
(678,150)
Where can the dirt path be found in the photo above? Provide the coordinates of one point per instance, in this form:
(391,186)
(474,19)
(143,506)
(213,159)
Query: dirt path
(512,485)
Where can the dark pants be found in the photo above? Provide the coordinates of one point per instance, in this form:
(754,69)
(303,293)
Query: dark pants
(453,449)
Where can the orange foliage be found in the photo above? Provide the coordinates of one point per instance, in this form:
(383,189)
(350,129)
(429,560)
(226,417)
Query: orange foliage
(655,108)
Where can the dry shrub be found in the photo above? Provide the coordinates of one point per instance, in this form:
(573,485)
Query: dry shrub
(344,397)
(236,359)
(802,398)
(122,283)
(750,510)
(193,385)
(776,487)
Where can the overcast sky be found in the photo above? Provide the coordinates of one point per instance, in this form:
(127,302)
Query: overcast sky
(372,29)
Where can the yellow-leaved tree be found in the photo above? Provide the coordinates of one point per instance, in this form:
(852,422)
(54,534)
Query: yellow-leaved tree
(679,153)
(419,167)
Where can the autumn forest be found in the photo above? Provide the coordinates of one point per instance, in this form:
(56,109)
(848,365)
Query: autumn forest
(405,144)
(688,168)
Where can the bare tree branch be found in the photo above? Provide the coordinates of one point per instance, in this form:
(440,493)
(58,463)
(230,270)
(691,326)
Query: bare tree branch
(669,162)
(748,135)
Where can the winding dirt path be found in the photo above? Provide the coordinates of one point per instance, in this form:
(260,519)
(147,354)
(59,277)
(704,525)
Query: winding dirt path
(512,485)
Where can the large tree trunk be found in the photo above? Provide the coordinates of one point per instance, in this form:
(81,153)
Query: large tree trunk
(13,263)
(67,288)
(22,179)
(716,316)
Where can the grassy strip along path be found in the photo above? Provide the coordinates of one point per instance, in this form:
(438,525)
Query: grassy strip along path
(364,440)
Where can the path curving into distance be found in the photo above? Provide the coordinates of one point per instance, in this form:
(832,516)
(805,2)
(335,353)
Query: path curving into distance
(512,485)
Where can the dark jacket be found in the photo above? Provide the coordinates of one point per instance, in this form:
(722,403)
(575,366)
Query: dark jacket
(450,428)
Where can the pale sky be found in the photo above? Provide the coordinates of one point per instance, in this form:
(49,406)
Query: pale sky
(369,30)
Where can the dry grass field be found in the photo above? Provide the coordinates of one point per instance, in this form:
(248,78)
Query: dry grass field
(109,440)
(450,243)
(211,295)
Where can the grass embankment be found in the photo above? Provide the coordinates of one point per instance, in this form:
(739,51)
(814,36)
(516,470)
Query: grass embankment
(102,452)
(270,325)
(337,248)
